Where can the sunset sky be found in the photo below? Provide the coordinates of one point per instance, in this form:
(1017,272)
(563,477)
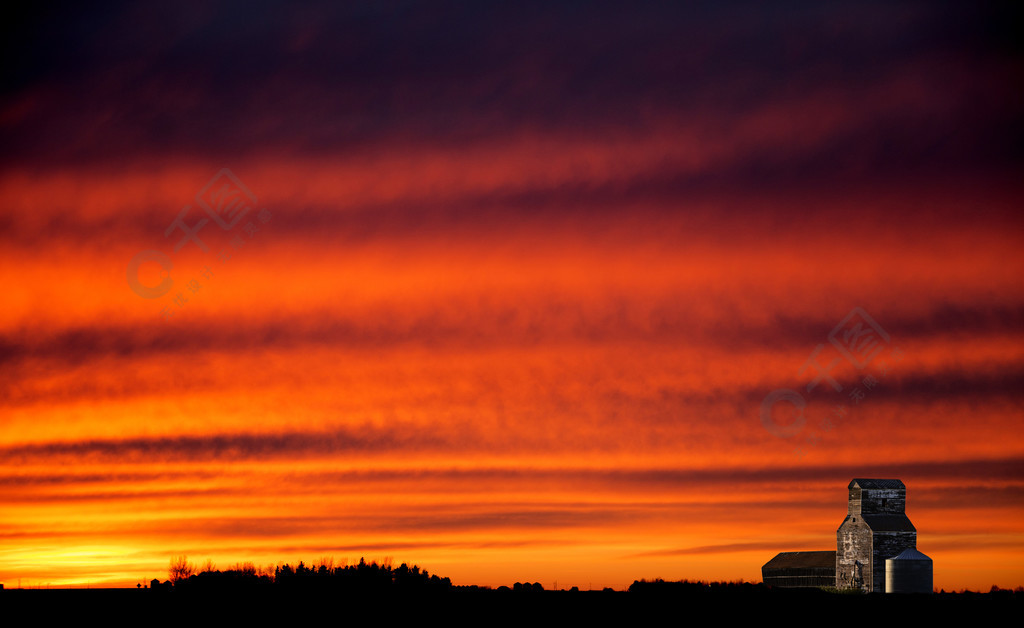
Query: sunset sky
(515,283)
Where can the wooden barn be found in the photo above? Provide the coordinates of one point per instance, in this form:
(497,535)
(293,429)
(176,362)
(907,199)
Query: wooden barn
(800,570)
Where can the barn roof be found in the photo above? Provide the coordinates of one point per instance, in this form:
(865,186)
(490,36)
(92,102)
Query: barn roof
(889,523)
(883,484)
(792,560)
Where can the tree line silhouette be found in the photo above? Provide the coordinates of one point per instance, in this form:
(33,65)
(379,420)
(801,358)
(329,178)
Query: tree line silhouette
(377,578)
(363,576)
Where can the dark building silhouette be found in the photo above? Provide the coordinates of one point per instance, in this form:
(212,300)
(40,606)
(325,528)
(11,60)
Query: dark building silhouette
(800,570)
(876,529)
(156,585)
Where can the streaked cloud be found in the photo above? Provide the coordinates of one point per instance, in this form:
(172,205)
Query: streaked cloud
(526,278)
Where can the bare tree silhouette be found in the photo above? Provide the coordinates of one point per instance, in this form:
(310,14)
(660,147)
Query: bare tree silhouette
(180,569)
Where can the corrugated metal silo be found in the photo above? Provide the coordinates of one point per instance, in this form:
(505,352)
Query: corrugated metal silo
(908,572)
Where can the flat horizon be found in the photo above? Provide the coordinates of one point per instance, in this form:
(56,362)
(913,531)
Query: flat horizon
(544,293)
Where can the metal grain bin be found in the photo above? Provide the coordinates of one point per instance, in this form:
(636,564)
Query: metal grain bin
(908,572)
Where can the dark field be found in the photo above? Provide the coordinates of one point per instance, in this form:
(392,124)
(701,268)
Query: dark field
(484,606)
